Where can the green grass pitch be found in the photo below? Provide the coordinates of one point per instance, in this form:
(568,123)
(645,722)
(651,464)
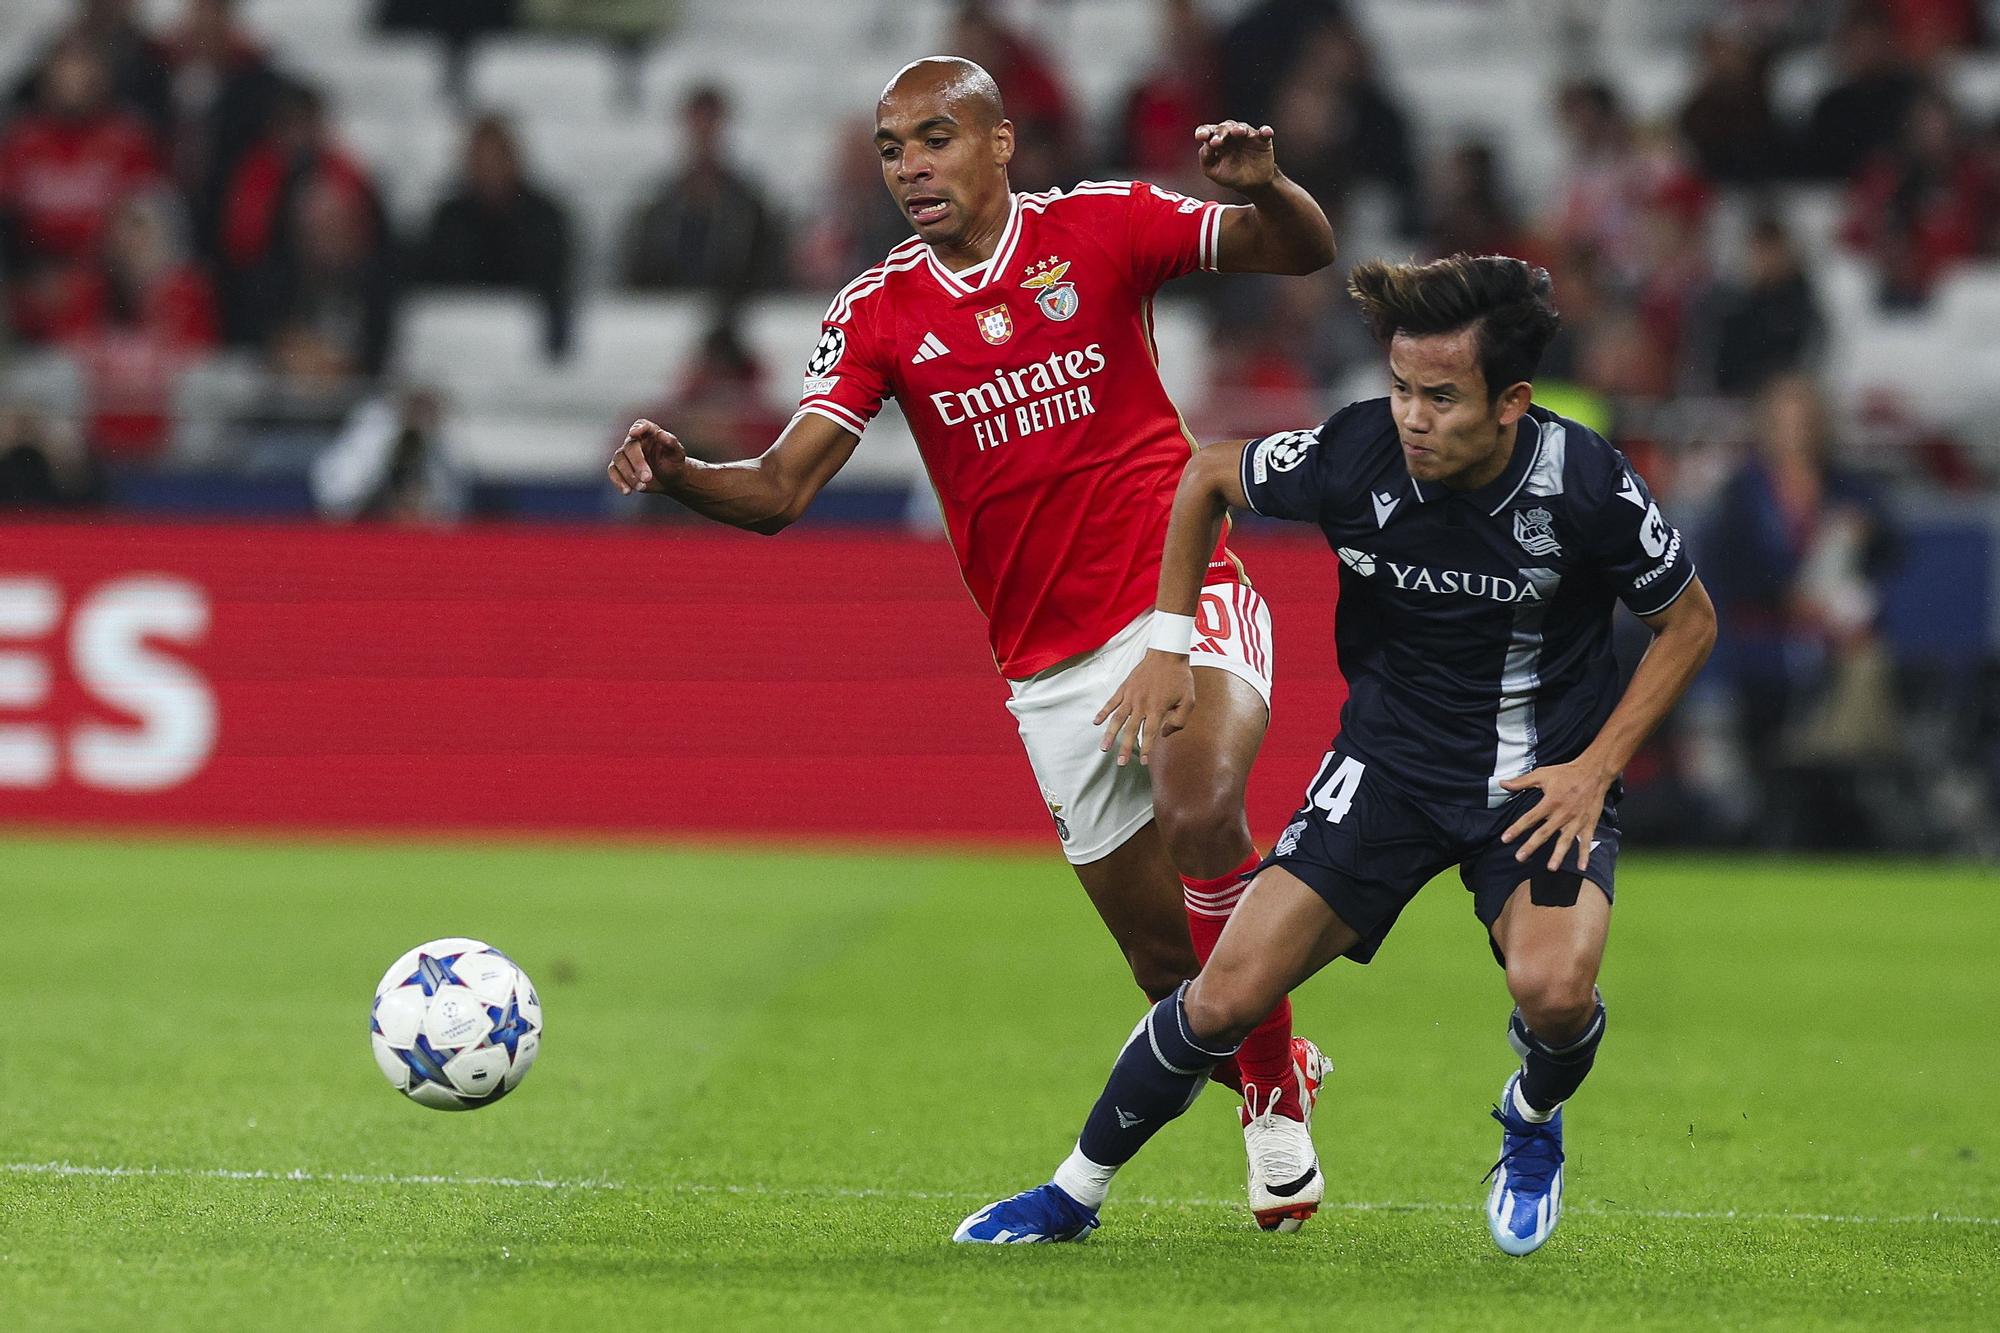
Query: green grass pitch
(774,1082)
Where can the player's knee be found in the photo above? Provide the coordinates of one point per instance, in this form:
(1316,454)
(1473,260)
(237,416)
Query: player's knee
(1221,1011)
(1556,996)
(1205,828)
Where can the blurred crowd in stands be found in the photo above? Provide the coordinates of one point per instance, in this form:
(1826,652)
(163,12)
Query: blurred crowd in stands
(166,193)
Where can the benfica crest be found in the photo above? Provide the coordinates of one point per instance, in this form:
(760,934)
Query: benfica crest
(1056,298)
(1056,813)
(995,325)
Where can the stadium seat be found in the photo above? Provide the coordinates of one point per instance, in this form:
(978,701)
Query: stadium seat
(1968,305)
(29,25)
(49,382)
(525,75)
(550,446)
(599,170)
(1974,80)
(1418,37)
(21,38)
(1845,286)
(207,400)
(856,31)
(1103,49)
(1508,106)
(1797,81)
(1654,84)
(413,157)
(1814,213)
(630,349)
(294,25)
(386,77)
(1906,360)
(785,107)
(473,344)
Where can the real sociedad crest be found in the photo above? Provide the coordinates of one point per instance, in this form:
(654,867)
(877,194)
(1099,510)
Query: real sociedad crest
(1054,296)
(995,325)
(1534,529)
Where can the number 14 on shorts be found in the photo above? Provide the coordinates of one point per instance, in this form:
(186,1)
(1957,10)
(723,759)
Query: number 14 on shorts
(1332,793)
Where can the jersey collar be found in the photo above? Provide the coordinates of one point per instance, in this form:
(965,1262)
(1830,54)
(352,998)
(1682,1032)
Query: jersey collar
(982,274)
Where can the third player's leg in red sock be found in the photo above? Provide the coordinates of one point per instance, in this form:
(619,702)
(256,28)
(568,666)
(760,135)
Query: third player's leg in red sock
(1265,1058)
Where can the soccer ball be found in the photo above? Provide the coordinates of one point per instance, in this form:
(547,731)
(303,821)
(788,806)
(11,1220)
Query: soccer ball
(455,1024)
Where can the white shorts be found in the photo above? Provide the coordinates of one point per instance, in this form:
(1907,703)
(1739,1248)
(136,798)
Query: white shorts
(1096,804)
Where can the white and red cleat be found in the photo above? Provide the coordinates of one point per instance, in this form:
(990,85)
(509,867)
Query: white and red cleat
(1285,1181)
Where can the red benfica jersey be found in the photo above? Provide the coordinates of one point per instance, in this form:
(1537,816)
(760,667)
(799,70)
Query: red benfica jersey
(62,178)
(1032,386)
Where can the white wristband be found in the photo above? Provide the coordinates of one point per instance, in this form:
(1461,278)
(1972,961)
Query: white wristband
(1171,633)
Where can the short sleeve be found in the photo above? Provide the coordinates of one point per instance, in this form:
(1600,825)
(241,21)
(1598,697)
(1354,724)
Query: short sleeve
(1643,556)
(844,380)
(1284,475)
(1170,235)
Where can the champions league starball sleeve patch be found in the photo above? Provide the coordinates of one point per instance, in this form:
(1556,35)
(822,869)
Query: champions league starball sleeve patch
(825,356)
(827,352)
(843,381)
(1276,478)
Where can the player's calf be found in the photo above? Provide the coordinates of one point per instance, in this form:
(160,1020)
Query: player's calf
(1226,1004)
(1159,966)
(1552,1070)
(1526,1200)
(1265,1057)
(1159,1073)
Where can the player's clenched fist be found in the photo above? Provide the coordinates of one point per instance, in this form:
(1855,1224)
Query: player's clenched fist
(651,459)
(1235,155)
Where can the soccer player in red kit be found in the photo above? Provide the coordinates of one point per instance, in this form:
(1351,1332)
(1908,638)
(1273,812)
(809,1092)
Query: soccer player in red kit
(1016,332)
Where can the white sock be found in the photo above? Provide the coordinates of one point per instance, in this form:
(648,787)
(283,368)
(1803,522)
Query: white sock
(1084,1180)
(1529,1113)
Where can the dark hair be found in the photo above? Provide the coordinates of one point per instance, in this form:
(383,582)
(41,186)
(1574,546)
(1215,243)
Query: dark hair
(1506,298)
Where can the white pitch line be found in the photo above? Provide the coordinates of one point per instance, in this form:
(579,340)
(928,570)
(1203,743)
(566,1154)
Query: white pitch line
(308,1177)
(931,1196)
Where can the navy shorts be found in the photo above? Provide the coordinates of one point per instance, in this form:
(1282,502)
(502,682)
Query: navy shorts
(1367,847)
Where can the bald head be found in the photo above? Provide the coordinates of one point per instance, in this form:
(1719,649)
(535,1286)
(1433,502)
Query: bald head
(961,89)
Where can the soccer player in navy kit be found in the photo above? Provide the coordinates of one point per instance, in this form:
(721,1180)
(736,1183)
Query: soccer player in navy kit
(1481,543)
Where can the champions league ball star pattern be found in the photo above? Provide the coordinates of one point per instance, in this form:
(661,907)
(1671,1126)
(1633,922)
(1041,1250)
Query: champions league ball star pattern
(455,1024)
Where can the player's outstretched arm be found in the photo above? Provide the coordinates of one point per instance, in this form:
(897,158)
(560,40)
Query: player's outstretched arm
(1283,230)
(764,494)
(1573,793)
(1158,697)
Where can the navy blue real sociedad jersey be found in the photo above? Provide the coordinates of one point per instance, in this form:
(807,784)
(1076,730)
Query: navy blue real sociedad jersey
(1474,627)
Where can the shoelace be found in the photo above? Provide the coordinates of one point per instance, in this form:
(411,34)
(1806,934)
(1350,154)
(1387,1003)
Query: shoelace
(1053,1202)
(1536,1149)
(1268,1141)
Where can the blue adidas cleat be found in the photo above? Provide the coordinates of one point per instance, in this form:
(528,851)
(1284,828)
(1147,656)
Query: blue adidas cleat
(1526,1201)
(1038,1216)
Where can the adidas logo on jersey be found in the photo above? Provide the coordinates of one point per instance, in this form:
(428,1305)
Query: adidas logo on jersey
(930,348)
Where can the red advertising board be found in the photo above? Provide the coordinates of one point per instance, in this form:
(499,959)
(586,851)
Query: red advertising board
(668,681)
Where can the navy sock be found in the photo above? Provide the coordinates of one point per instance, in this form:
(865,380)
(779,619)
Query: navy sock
(1158,1075)
(1551,1073)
